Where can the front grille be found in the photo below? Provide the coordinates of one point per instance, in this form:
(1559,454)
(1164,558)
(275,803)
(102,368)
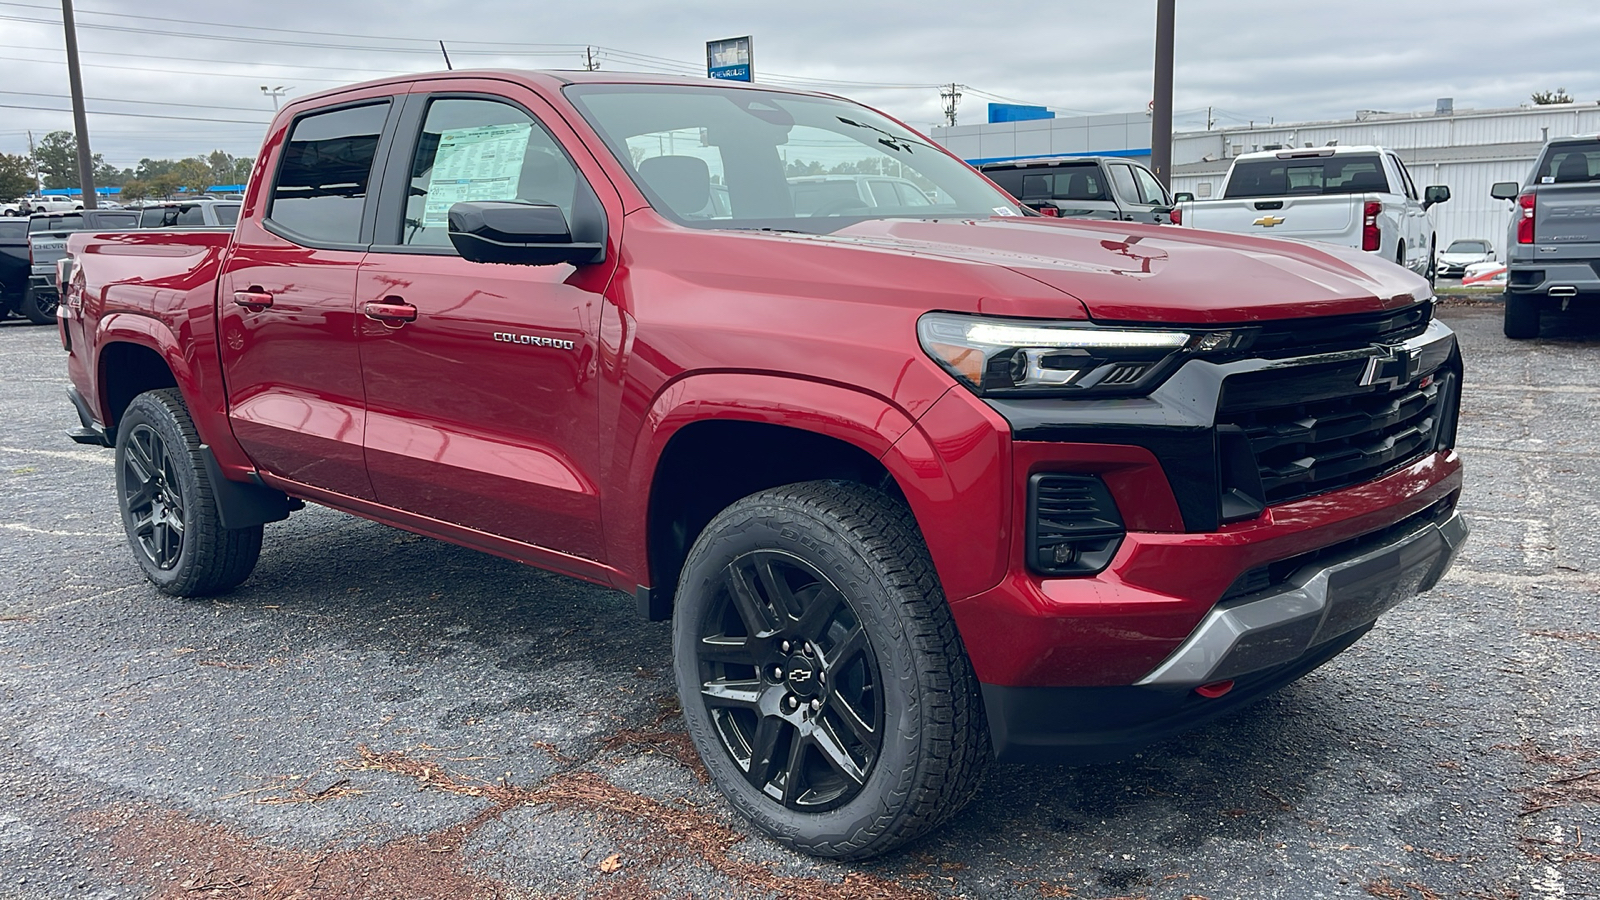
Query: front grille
(1308,448)
(1297,336)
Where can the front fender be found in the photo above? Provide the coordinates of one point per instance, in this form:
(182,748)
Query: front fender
(950,465)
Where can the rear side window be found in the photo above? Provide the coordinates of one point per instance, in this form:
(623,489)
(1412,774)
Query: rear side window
(1360,173)
(13,229)
(1122,177)
(190,216)
(1568,163)
(1077,182)
(326,172)
(228,215)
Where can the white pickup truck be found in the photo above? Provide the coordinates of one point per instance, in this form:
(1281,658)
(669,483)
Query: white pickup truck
(1360,197)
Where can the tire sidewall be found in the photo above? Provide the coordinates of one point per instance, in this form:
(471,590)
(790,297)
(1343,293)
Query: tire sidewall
(146,410)
(804,535)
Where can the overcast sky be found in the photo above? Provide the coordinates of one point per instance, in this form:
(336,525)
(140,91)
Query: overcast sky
(202,64)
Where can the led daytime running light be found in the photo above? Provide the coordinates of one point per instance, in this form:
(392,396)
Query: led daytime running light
(996,335)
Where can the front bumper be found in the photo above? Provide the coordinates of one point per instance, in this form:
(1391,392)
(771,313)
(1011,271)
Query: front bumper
(1258,643)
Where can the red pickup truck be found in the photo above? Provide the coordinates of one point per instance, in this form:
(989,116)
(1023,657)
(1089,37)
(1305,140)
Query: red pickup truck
(921,484)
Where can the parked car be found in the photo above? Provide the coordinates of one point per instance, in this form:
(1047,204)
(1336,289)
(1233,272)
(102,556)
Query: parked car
(13,265)
(1361,197)
(1553,240)
(1463,252)
(1485,274)
(11,208)
(50,204)
(190,214)
(47,243)
(910,499)
(827,195)
(1090,187)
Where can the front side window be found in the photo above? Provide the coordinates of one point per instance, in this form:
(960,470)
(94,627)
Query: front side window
(481,150)
(1150,190)
(326,172)
(718,157)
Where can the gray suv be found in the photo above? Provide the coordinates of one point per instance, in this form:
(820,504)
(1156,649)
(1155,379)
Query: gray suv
(1089,187)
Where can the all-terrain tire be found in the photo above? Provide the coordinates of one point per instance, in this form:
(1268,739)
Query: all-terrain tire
(934,743)
(167,504)
(1521,317)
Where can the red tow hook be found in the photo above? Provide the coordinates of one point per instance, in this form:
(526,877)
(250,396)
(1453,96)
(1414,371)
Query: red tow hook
(1215,689)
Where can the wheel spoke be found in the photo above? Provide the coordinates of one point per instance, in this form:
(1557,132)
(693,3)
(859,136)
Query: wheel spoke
(821,611)
(753,611)
(834,752)
(844,651)
(794,768)
(144,525)
(138,462)
(723,649)
(734,694)
(853,720)
(777,589)
(764,750)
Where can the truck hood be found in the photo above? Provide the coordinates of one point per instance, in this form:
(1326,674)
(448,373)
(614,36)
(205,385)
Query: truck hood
(1127,272)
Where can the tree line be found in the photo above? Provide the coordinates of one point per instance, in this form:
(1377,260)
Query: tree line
(56,159)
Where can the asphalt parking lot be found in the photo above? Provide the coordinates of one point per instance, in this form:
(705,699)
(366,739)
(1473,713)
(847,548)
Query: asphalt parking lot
(375,714)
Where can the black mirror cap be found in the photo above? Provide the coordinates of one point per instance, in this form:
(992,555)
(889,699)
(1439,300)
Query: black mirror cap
(1435,193)
(1505,190)
(518,232)
(1183,197)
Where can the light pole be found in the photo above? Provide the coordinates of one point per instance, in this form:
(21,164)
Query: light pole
(1161,107)
(275,93)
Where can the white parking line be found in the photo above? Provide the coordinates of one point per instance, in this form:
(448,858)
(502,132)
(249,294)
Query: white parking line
(100,457)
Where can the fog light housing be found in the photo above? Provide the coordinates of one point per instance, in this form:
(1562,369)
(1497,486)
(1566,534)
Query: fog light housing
(1074,527)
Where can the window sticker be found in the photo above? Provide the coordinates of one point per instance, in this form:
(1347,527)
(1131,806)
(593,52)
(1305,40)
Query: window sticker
(1005,211)
(482,163)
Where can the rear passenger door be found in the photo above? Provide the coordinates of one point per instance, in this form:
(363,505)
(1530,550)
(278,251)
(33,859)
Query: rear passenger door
(482,407)
(1416,227)
(286,298)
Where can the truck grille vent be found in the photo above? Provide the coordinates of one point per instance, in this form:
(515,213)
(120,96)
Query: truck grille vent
(1303,449)
(1074,527)
(1336,332)
(1125,373)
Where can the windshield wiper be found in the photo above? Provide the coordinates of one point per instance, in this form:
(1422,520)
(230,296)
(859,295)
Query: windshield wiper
(891,141)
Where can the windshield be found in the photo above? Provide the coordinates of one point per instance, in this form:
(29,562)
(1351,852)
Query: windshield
(714,157)
(1358,173)
(1467,247)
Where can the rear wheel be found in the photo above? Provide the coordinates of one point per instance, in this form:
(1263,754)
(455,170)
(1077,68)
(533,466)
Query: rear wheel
(820,672)
(39,308)
(168,509)
(1522,317)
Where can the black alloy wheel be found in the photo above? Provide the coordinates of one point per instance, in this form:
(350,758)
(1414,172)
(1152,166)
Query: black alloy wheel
(153,498)
(790,681)
(40,306)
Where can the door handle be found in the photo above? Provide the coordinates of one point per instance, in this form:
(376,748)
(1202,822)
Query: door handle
(391,310)
(252,298)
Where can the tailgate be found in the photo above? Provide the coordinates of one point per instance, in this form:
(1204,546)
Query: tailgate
(1567,218)
(1331,219)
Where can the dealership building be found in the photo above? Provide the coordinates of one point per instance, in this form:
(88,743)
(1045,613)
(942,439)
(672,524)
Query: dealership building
(1466,149)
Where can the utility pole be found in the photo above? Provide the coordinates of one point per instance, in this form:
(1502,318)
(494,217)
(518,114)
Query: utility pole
(80,119)
(951,95)
(33,166)
(1161,107)
(590,64)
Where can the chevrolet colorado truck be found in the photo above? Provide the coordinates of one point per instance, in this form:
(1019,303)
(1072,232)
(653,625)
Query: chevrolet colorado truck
(1553,240)
(1361,197)
(919,487)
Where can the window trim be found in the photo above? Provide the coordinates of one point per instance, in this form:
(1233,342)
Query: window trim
(396,185)
(375,179)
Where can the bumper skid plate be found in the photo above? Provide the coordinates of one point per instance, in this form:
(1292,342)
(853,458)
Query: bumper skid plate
(1318,604)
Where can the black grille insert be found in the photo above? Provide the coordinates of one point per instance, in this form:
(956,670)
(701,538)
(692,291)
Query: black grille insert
(1074,527)
(1331,332)
(1302,449)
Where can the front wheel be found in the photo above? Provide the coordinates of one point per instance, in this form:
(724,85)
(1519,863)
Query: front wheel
(168,508)
(821,675)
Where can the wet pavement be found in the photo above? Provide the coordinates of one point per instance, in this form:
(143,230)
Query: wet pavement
(375,714)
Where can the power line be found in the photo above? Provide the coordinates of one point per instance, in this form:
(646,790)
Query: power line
(131,115)
(140,102)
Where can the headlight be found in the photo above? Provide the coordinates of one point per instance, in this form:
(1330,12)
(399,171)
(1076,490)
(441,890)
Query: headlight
(1012,357)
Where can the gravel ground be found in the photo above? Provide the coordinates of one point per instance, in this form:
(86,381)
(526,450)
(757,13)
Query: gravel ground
(379,715)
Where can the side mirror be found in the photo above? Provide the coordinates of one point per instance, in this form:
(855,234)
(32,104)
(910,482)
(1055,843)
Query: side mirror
(1434,194)
(1504,190)
(1183,197)
(518,232)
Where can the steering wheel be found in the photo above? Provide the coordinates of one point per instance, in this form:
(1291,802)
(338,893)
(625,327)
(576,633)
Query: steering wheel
(838,206)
